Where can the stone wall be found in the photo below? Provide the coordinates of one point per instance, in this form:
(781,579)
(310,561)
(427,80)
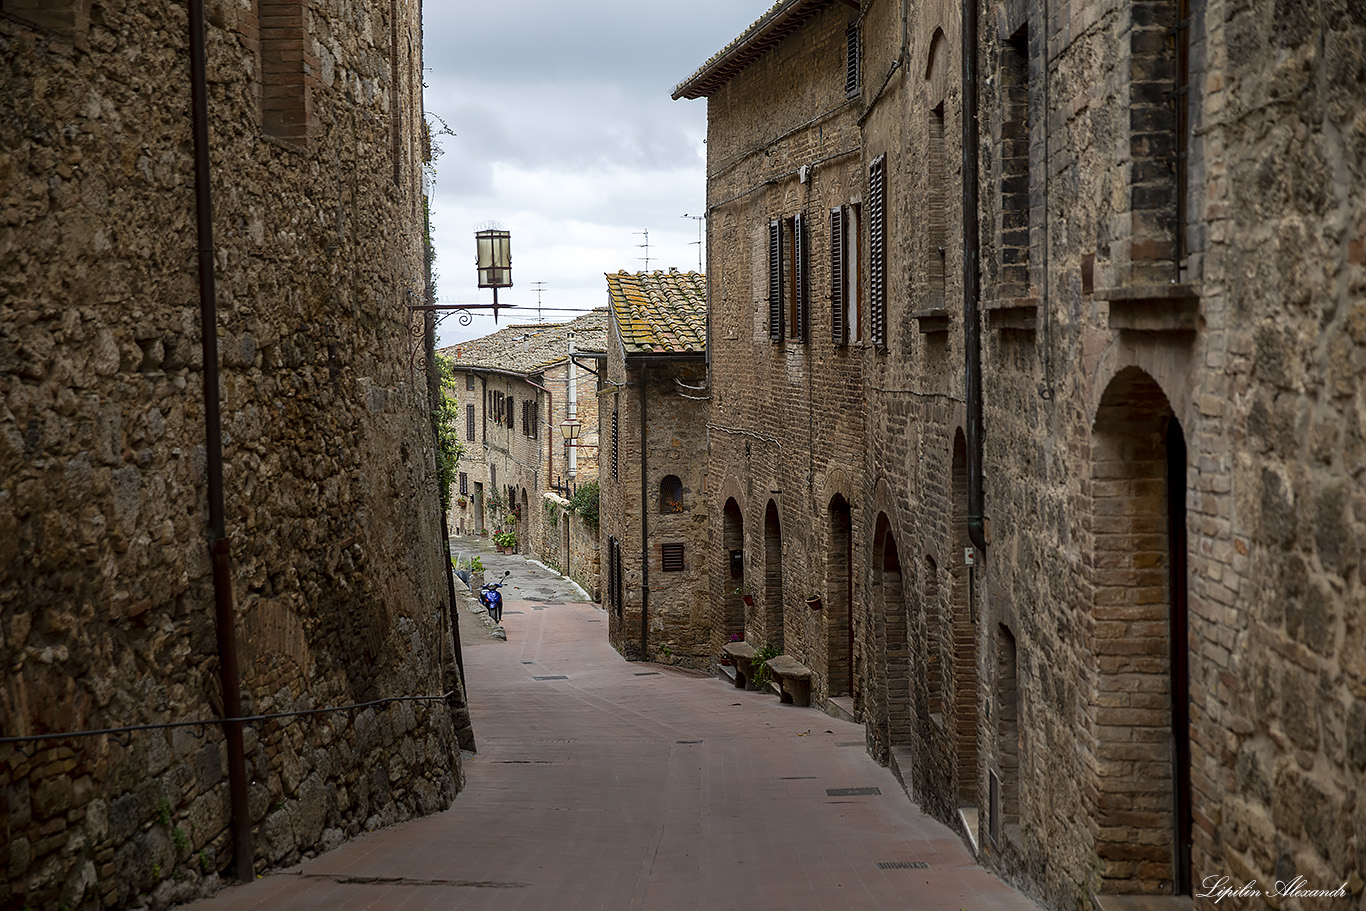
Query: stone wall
(1173,375)
(105,589)
(568,544)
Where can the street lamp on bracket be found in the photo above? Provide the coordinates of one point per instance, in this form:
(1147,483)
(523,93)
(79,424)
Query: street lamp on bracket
(493,263)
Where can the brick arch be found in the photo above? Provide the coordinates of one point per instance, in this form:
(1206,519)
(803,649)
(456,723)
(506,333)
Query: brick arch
(839,597)
(1138,705)
(773,609)
(732,619)
(891,639)
(938,66)
(1169,370)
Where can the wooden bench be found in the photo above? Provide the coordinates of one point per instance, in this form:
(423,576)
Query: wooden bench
(792,679)
(743,655)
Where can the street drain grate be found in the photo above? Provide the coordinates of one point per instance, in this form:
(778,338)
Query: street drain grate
(511,612)
(848,743)
(687,741)
(528,662)
(902,865)
(798,778)
(552,677)
(405,881)
(646,674)
(851,792)
(594,621)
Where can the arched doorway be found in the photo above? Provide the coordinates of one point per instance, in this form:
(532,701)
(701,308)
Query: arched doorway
(773,577)
(732,620)
(890,630)
(964,638)
(839,600)
(1141,648)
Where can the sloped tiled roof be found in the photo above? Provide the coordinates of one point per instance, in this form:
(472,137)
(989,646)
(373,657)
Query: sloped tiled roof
(782,19)
(660,312)
(531,348)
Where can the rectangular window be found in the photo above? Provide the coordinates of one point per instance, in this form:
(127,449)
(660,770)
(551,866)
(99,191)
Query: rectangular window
(469,382)
(845,325)
(671,557)
(508,417)
(469,422)
(877,235)
(851,60)
(464,484)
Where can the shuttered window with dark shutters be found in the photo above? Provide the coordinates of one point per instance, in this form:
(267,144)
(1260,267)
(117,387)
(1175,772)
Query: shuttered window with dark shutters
(615,443)
(839,330)
(469,422)
(877,232)
(511,422)
(851,60)
(801,279)
(464,484)
(775,281)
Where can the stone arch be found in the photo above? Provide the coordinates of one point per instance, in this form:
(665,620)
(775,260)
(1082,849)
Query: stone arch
(1138,711)
(839,598)
(937,67)
(773,577)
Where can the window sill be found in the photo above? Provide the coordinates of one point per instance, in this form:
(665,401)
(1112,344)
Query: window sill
(1171,307)
(936,320)
(1018,313)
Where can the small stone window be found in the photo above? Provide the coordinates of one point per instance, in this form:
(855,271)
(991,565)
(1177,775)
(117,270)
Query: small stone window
(671,494)
(671,557)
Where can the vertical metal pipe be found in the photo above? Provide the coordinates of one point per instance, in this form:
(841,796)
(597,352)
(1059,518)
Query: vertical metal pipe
(972,278)
(219,550)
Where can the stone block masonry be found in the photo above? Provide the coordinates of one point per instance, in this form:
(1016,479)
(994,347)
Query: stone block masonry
(106,600)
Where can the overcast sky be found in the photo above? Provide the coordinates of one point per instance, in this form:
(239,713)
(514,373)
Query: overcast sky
(565,135)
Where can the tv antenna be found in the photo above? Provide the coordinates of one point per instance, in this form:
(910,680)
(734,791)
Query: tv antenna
(646,245)
(539,286)
(699,219)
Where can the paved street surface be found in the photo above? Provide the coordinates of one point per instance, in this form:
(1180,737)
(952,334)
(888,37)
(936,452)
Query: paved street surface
(609,785)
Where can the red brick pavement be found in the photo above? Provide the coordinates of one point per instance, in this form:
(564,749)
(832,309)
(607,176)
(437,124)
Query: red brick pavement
(631,786)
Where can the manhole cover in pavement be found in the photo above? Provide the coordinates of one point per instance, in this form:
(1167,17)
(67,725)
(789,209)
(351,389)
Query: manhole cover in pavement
(851,792)
(902,865)
(552,677)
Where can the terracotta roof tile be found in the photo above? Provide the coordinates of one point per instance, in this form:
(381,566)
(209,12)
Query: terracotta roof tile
(660,312)
(531,348)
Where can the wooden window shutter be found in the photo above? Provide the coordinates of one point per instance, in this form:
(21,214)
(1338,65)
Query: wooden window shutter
(801,284)
(851,60)
(464,483)
(510,422)
(838,290)
(775,281)
(469,422)
(615,437)
(877,229)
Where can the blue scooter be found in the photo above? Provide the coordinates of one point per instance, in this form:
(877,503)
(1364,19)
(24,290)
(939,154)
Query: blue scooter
(492,599)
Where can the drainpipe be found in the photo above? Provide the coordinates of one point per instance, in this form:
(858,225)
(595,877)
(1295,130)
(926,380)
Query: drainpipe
(972,279)
(219,550)
(644,518)
(572,408)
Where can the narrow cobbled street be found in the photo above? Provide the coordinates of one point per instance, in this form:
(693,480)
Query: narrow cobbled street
(604,784)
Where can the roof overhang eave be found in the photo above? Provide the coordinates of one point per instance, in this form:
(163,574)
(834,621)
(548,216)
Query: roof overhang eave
(776,25)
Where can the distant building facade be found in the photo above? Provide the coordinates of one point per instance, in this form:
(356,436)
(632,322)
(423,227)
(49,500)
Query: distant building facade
(513,393)
(1129,663)
(336,582)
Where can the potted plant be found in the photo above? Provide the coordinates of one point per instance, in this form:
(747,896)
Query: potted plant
(744,591)
(506,541)
(461,502)
(814,602)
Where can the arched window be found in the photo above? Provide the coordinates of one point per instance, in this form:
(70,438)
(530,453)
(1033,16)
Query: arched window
(671,494)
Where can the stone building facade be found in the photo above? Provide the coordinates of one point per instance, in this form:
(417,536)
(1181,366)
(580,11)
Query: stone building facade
(339,595)
(512,390)
(653,501)
(1148,670)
